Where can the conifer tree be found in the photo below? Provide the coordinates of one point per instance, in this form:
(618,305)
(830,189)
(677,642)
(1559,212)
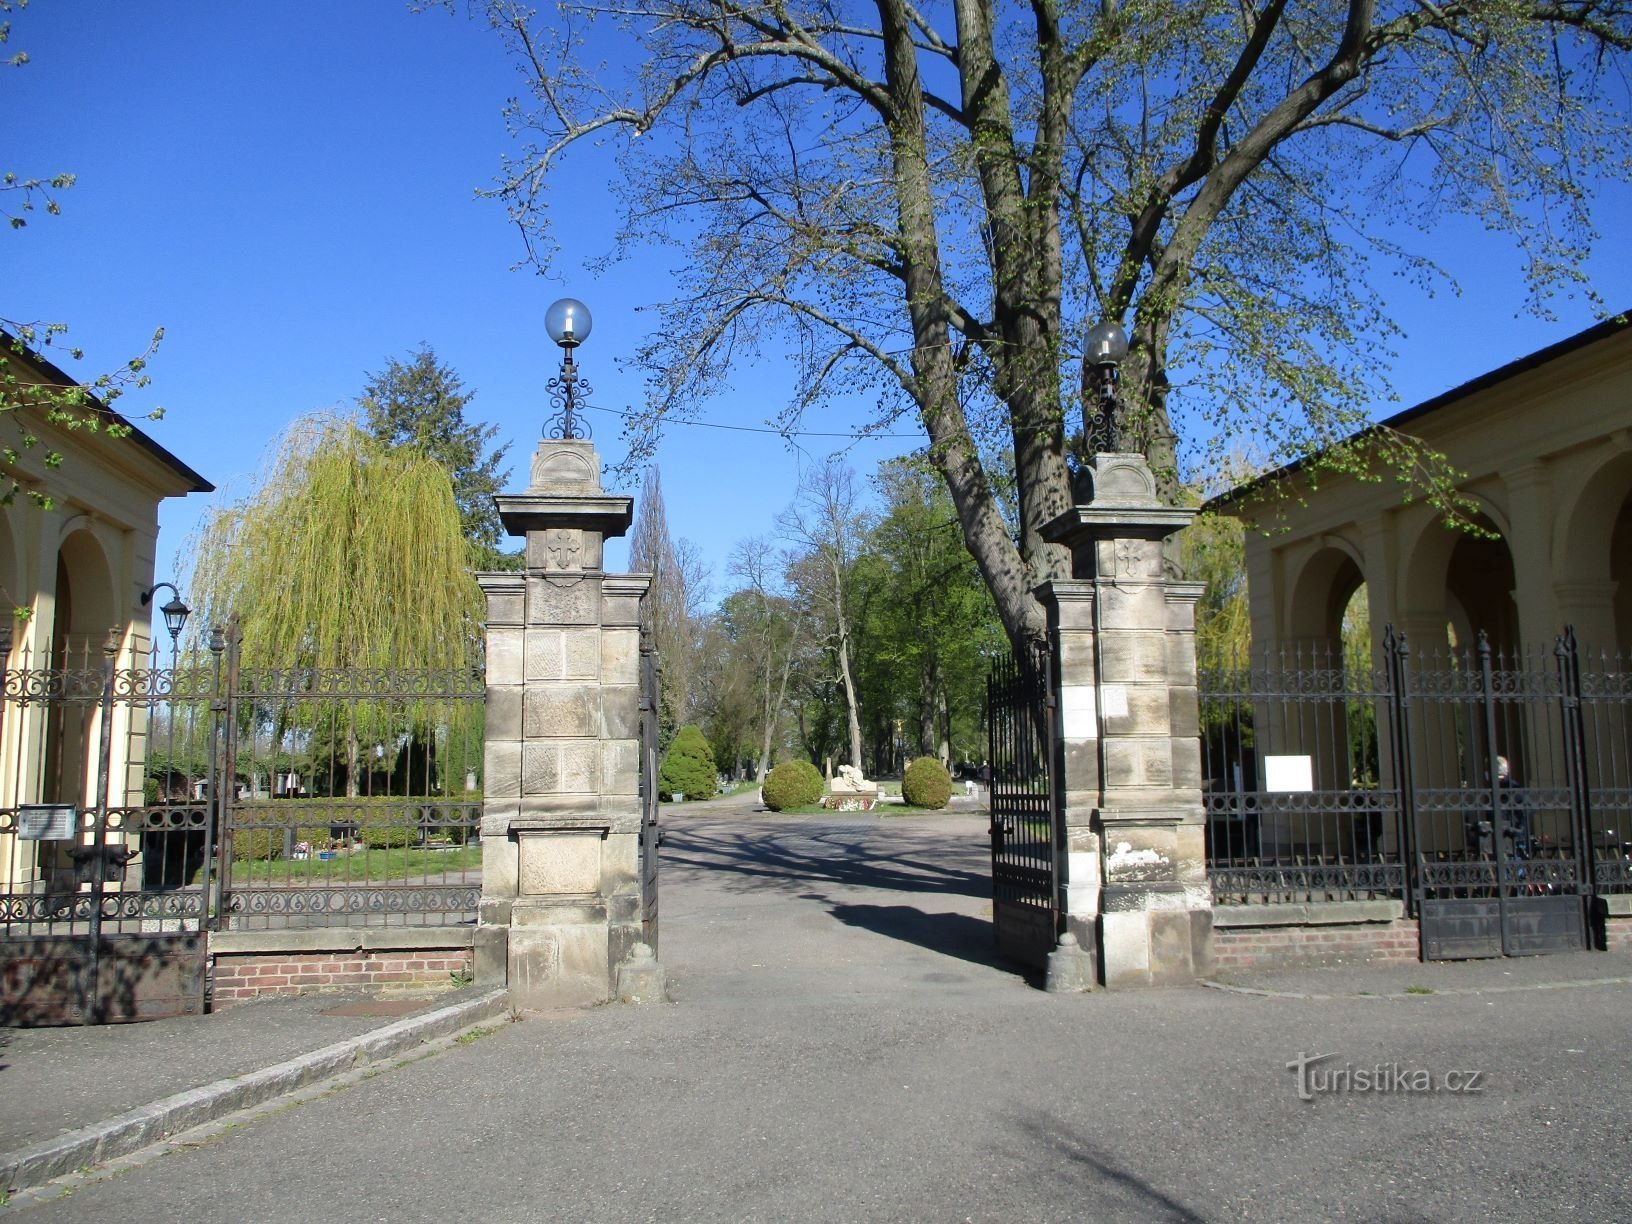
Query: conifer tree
(421,403)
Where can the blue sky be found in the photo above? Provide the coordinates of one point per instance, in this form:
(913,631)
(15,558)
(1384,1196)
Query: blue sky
(289,190)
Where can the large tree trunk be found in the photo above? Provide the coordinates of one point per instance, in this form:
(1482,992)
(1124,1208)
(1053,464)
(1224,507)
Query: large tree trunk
(946,727)
(926,707)
(773,711)
(851,702)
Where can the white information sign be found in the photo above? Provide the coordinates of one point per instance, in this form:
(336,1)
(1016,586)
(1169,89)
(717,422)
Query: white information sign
(1078,720)
(45,822)
(1289,773)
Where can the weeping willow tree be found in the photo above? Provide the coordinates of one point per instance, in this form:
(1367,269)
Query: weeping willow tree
(349,553)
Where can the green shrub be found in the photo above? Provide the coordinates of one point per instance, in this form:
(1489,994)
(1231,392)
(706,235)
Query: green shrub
(393,829)
(375,824)
(688,768)
(926,783)
(254,844)
(793,784)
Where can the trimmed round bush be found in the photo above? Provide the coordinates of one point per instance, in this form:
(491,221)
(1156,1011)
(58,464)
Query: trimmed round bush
(793,784)
(926,783)
(688,768)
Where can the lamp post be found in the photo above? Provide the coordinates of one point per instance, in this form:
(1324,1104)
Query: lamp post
(1107,346)
(175,612)
(568,323)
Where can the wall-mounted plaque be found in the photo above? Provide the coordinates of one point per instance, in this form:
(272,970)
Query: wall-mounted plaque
(45,821)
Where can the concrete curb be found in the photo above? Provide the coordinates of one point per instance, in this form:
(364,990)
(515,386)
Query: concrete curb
(1407,993)
(41,1162)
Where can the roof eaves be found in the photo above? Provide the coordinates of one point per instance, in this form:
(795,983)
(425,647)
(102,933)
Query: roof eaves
(61,377)
(1523,365)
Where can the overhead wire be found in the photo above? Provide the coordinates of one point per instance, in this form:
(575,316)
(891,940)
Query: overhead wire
(780,433)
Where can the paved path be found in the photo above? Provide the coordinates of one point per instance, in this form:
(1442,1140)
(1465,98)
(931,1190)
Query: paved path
(842,1046)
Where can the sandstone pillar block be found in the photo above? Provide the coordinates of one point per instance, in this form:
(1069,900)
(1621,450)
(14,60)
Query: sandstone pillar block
(561,910)
(1123,635)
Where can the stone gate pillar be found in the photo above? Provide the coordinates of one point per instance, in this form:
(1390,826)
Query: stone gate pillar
(561,818)
(1123,635)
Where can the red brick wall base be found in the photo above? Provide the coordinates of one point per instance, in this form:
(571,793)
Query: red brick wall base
(1269,947)
(240,976)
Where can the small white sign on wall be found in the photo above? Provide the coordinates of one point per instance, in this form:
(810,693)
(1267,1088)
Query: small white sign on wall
(1289,773)
(1115,697)
(1078,720)
(45,821)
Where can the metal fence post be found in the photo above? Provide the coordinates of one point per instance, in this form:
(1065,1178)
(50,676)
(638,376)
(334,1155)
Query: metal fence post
(210,918)
(1575,757)
(1397,660)
(1487,697)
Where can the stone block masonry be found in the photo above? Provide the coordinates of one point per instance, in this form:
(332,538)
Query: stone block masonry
(1134,874)
(1618,935)
(562,909)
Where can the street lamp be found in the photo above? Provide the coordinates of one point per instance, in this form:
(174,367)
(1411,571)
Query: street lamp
(568,323)
(175,612)
(1107,346)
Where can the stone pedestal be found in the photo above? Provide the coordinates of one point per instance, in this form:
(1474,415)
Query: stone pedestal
(1123,635)
(561,903)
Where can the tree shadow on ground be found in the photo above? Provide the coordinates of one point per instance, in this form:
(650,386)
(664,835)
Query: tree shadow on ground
(956,935)
(795,858)
(1107,1188)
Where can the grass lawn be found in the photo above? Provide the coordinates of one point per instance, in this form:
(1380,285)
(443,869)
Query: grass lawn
(379,866)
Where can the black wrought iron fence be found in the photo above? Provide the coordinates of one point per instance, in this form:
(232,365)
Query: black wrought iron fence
(106,821)
(149,799)
(1024,803)
(1302,779)
(1602,685)
(1440,776)
(354,798)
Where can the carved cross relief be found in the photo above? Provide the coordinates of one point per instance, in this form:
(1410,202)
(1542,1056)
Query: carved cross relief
(562,546)
(1135,561)
(563,555)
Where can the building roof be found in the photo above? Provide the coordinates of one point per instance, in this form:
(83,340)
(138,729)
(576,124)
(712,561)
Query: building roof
(11,347)
(1613,325)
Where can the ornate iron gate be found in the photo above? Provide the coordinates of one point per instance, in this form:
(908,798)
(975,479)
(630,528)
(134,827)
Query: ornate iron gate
(1496,760)
(1305,779)
(352,796)
(106,835)
(1025,807)
(1491,794)
(650,836)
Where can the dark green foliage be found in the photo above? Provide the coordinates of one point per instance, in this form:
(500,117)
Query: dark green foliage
(926,784)
(793,784)
(688,768)
(375,824)
(421,404)
(926,626)
(251,844)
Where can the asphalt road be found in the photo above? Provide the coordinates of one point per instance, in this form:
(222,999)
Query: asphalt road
(841,1045)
